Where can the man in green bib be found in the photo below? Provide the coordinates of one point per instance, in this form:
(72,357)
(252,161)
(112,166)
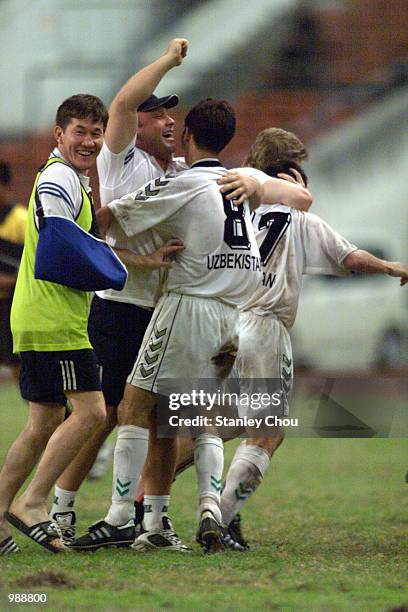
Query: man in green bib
(49,325)
(49,321)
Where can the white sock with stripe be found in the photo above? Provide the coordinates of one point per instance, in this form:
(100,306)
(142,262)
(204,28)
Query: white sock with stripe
(63,501)
(245,474)
(129,458)
(155,507)
(209,463)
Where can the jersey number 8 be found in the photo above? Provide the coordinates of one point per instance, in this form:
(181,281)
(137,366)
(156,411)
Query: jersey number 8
(235,232)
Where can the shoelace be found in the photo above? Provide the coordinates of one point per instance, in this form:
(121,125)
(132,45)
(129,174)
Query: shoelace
(68,531)
(64,533)
(173,537)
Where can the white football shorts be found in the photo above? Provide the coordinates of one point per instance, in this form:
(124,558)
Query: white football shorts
(264,362)
(188,338)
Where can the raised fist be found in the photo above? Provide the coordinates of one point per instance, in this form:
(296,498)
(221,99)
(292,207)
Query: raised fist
(177,50)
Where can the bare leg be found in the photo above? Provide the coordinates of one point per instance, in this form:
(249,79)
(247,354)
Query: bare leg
(67,440)
(185,455)
(136,407)
(185,459)
(72,478)
(270,444)
(158,473)
(130,454)
(16,373)
(23,455)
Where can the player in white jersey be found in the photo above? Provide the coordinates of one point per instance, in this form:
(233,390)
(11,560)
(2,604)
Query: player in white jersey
(218,270)
(291,243)
(271,311)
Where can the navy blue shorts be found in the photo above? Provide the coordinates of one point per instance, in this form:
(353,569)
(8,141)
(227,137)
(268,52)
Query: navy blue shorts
(116,331)
(46,376)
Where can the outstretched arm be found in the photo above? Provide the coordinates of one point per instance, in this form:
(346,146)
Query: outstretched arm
(239,187)
(122,125)
(363,261)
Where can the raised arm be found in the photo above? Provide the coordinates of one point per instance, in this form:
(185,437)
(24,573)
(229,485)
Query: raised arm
(122,125)
(363,261)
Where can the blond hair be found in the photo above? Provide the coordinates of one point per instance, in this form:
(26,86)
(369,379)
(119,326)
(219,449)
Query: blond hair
(273,145)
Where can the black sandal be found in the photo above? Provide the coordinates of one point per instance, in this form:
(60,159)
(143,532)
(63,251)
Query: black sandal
(42,533)
(8,546)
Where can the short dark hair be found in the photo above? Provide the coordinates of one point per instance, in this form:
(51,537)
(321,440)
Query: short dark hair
(5,173)
(81,106)
(285,165)
(212,124)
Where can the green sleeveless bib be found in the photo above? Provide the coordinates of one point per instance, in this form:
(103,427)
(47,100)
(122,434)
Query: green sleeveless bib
(46,316)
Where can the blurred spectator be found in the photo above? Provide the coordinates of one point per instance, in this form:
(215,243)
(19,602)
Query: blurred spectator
(298,60)
(13,218)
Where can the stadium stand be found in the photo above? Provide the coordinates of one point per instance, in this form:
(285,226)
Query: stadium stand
(361,48)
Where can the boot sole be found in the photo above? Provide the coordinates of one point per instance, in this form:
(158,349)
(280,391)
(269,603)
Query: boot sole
(210,536)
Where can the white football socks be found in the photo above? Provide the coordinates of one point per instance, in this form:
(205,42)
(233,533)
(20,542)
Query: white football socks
(155,507)
(245,474)
(63,501)
(129,458)
(209,463)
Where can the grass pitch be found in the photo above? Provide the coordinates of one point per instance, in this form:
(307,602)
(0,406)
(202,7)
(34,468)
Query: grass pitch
(327,529)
